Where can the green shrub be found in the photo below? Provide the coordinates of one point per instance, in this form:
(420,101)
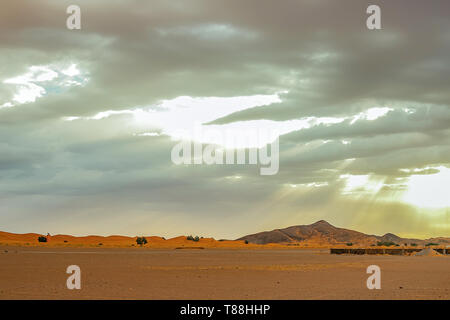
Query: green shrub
(141,241)
(246,241)
(349,244)
(42,239)
(414,244)
(432,244)
(196,238)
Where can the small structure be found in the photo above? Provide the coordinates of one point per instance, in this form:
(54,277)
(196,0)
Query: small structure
(428,252)
(392,251)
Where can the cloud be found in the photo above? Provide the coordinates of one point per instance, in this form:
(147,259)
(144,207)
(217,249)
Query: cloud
(88,117)
(40,80)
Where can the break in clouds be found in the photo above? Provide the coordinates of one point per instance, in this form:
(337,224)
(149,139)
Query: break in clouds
(88,117)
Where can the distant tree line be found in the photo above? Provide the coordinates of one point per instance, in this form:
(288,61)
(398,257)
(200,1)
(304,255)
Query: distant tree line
(141,241)
(387,243)
(196,238)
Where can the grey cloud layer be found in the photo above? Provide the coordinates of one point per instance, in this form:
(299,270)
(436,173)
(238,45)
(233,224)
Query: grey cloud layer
(139,53)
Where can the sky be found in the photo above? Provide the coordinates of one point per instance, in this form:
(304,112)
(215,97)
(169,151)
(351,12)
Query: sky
(88,117)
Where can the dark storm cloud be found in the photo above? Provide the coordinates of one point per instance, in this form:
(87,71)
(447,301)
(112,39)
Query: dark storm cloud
(134,54)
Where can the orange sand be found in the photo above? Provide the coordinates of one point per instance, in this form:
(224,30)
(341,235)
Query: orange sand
(135,273)
(154,242)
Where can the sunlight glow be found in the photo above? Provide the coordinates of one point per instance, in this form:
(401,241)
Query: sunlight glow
(429,190)
(371,114)
(361,184)
(40,80)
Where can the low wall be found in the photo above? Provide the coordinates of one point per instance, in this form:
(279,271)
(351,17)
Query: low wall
(390,251)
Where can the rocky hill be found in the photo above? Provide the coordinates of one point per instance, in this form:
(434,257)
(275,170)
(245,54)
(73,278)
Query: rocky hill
(323,232)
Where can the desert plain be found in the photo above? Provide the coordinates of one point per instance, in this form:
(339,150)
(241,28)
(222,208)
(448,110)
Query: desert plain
(298,266)
(39,272)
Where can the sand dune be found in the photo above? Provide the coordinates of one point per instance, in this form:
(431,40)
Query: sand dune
(428,252)
(60,240)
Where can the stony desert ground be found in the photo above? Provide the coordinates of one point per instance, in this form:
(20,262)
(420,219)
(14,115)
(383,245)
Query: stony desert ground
(144,273)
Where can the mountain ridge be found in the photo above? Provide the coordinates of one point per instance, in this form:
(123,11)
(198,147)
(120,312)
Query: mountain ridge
(318,234)
(324,232)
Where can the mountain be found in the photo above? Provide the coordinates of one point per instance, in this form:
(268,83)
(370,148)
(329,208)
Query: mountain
(319,234)
(390,237)
(324,233)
